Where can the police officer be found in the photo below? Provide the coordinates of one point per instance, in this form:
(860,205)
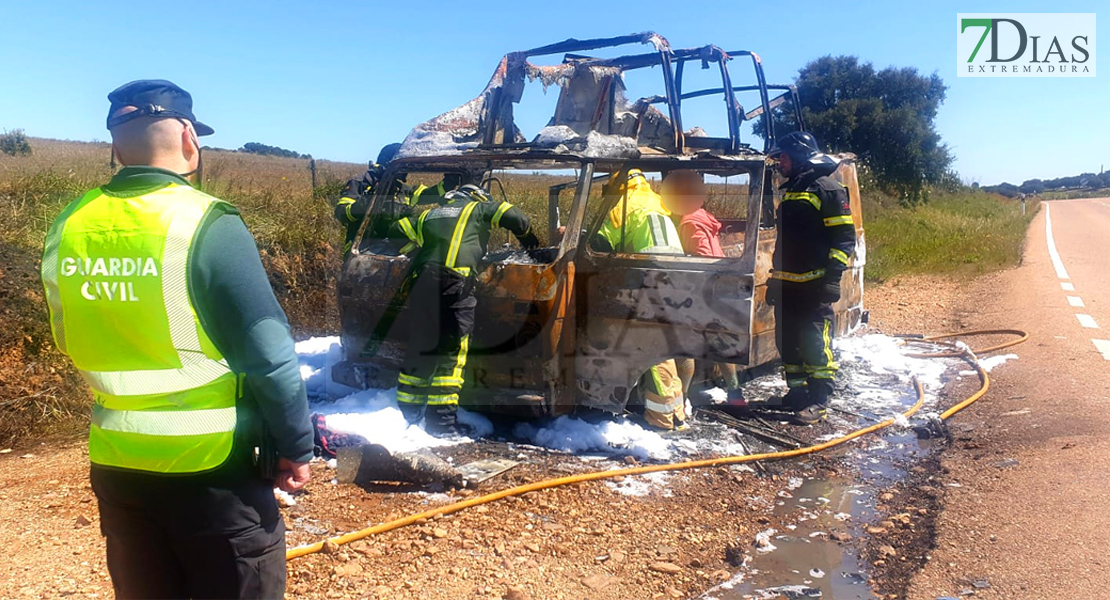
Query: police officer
(452,238)
(816,237)
(157,294)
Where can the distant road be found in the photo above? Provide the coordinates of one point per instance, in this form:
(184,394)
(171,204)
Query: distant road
(1040,529)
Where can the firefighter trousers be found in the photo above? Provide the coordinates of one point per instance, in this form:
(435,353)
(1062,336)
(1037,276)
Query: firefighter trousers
(664,402)
(441,319)
(803,334)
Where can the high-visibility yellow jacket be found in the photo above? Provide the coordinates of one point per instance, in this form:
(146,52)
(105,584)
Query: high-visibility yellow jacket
(114,269)
(648,228)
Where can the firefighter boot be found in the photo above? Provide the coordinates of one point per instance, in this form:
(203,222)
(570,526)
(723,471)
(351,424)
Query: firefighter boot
(796,398)
(816,408)
(442,420)
(412,412)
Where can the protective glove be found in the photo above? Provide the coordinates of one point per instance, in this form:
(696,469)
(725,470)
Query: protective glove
(529,241)
(830,289)
(774,292)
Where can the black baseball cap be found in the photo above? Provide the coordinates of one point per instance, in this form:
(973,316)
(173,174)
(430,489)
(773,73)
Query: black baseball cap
(153,98)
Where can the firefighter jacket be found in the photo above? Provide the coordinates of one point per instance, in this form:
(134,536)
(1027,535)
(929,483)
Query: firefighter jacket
(455,234)
(816,235)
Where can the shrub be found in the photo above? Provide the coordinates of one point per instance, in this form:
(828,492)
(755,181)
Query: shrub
(14,143)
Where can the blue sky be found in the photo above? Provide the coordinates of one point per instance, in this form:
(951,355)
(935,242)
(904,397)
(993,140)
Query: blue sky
(340,79)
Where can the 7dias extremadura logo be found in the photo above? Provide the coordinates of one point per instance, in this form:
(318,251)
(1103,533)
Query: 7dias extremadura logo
(1025,44)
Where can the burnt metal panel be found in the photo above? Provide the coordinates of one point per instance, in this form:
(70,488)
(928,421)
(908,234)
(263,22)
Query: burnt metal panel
(636,311)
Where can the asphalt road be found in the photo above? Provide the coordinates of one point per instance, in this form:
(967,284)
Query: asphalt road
(1040,529)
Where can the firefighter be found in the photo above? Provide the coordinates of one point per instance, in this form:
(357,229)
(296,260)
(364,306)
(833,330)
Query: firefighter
(816,238)
(640,223)
(359,191)
(156,293)
(357,195)
(452,238)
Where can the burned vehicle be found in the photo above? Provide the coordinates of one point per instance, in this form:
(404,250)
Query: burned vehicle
(570,325)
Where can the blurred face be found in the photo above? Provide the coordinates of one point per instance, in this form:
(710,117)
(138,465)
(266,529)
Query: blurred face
(683,192)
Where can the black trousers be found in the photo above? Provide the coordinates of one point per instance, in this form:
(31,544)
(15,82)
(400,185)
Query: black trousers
(441,319)
(216,535)
(803,333)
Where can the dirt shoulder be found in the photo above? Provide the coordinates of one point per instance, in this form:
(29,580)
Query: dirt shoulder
(924,304)
(667,539)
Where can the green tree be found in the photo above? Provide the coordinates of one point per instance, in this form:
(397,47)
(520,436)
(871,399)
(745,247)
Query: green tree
(15,143)
(267,150)
(887,118)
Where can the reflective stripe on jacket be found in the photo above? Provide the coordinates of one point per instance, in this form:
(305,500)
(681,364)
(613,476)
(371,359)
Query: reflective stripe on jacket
(115,273)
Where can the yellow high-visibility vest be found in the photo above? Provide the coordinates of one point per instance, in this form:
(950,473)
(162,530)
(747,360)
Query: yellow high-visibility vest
(114,269)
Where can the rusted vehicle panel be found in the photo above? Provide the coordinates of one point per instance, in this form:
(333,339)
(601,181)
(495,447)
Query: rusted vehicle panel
(572,326)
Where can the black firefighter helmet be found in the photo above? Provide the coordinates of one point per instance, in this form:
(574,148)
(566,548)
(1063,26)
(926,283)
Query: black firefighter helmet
(804,154)
(800,146)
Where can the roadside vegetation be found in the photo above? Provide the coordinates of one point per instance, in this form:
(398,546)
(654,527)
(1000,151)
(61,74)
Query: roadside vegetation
(1071,194)
(1085,185)
(14,143)
(960,232)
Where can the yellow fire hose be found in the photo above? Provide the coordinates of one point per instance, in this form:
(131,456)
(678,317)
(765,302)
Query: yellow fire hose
(984,380)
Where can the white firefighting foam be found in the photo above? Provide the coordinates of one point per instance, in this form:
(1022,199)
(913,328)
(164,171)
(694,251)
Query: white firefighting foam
(875,379)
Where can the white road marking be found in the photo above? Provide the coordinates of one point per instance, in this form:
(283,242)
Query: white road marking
(1057,264)
(1087,321)
(1068,287)
(1103,346)
(1075,301)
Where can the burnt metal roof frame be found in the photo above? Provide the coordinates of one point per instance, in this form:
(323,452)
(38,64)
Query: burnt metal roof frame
(673,84)
(516,64)
(789,91)
(492,159)
(496,127)
(761,80)
(575,45)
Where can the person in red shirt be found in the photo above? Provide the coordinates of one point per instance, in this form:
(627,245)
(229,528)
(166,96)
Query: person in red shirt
(685,194)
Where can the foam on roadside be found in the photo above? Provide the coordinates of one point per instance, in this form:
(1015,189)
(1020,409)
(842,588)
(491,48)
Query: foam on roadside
(874,379)
(640,485)
(608,437)
(373,414)
(990,363)
(872,362)
(316,357)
